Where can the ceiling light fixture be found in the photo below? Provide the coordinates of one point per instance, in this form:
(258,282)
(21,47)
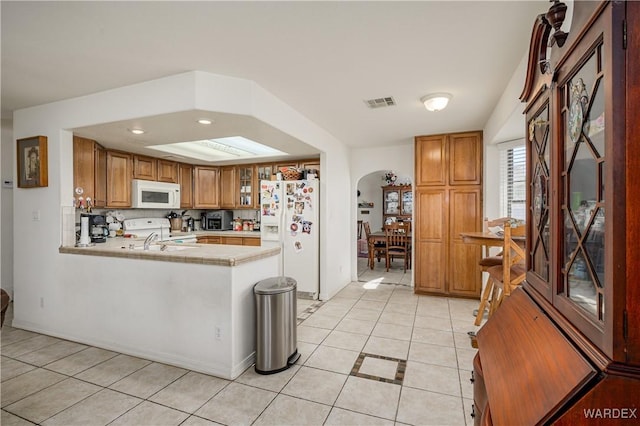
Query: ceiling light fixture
(205,121)
(137,131)
(436,101)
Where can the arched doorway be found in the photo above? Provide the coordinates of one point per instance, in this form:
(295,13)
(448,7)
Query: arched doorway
(371,208)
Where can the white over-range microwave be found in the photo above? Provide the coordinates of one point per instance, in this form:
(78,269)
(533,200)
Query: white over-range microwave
(147,194)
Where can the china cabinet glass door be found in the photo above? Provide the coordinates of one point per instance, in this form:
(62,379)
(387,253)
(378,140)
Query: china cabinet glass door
(392,202)
(539,148)
(582,226)
(407,202)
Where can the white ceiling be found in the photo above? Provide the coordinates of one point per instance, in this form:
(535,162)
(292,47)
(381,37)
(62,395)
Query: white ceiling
(322,58)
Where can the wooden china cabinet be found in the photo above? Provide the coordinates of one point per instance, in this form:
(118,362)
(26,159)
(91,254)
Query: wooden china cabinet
(565,349)
(397,202)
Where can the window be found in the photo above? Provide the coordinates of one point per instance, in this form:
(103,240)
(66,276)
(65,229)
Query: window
(513,191)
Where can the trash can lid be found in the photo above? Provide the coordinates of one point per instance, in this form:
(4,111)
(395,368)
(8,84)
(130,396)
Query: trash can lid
(275,285)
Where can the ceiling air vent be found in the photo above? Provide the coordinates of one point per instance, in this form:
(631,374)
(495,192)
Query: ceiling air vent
(380,102)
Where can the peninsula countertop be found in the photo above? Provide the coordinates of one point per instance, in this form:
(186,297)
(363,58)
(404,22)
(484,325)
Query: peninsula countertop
(209,254)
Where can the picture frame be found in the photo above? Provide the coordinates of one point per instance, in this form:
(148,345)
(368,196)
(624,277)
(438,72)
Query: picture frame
(32,162)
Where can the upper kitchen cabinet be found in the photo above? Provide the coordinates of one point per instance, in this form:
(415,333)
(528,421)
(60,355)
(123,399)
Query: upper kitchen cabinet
(246,189)
(185,179)
(167,171)
(145,167)
(157,169)
(264,171)
(311,166)
(228,188)
(119,166)
(90,170)
(237,185)
(206,187)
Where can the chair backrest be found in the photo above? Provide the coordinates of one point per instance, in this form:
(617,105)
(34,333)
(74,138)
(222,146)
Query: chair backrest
(398,235)
(367,229)
(512,254)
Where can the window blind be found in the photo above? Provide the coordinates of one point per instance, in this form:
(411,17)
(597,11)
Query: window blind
(513,191)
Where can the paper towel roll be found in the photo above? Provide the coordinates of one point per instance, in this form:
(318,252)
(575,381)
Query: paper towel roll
(84,231)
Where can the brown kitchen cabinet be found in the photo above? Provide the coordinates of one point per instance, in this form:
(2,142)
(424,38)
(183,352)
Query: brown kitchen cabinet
(209,239)
(167,171)
(572,341)
(206,187)
(448,201)
(145,168)
(250,241)
(228,187)
(246,186)
(90,170)
(119,173)
(185,179)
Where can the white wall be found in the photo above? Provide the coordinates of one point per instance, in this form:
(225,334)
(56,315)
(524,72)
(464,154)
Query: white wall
(365,161)
(6,208)
(37,261)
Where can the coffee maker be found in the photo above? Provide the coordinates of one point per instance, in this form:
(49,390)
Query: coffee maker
(98,229)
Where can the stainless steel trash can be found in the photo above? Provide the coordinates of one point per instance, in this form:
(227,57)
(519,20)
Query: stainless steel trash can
(276,327)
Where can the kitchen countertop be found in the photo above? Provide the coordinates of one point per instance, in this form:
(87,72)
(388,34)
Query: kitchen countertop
(208,254)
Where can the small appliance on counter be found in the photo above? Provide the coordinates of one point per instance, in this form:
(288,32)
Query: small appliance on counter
(217,220)
(98,228)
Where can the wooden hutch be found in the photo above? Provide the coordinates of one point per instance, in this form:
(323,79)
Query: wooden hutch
(565,348)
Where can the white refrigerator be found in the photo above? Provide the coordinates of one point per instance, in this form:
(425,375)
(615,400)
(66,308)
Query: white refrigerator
(289,218)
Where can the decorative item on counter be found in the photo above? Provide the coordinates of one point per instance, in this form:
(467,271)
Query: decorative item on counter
(390,177)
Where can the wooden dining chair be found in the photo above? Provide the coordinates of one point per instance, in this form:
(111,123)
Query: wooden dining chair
(507,275)
(398,237)
(490,291)
(375,249)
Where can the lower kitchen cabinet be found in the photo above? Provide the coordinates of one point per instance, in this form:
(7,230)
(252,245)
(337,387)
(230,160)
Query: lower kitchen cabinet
(235,240)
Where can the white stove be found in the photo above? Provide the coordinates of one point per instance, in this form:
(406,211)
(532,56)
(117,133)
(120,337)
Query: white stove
(143,227)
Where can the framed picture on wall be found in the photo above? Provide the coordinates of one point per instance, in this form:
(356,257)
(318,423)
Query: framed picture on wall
(32,162)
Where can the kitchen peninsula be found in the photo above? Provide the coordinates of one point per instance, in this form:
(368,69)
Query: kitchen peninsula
(188,305)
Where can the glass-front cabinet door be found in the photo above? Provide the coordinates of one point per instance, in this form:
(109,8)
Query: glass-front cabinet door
(407,202)
(539,150)
(245,186)
(392,202)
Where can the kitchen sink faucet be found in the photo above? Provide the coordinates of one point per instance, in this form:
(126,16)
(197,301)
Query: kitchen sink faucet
(152,237)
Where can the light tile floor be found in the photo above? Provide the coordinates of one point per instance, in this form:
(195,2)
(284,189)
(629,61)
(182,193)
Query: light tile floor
(374,354)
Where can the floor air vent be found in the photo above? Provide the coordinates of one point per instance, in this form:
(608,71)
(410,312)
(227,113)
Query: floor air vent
(380,102)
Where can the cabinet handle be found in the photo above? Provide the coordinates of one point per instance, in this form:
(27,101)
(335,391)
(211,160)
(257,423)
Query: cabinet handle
(472,379)
(473,411)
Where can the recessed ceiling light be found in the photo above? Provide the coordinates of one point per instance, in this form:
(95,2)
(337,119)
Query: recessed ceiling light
(205,121)
(137,131)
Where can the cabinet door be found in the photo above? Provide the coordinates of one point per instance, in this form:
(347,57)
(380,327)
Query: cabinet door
(431,166)
(236,241)
(145,168)
(100,176)
(206,187)
(83,166)
(248,241)
(118,179)
(406,202)
(264,171)
(430,241)
(185,172)
(167,171)
(465,158)
(391,202)
(464,277)
(311,165)
(245,175)
(228,189)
